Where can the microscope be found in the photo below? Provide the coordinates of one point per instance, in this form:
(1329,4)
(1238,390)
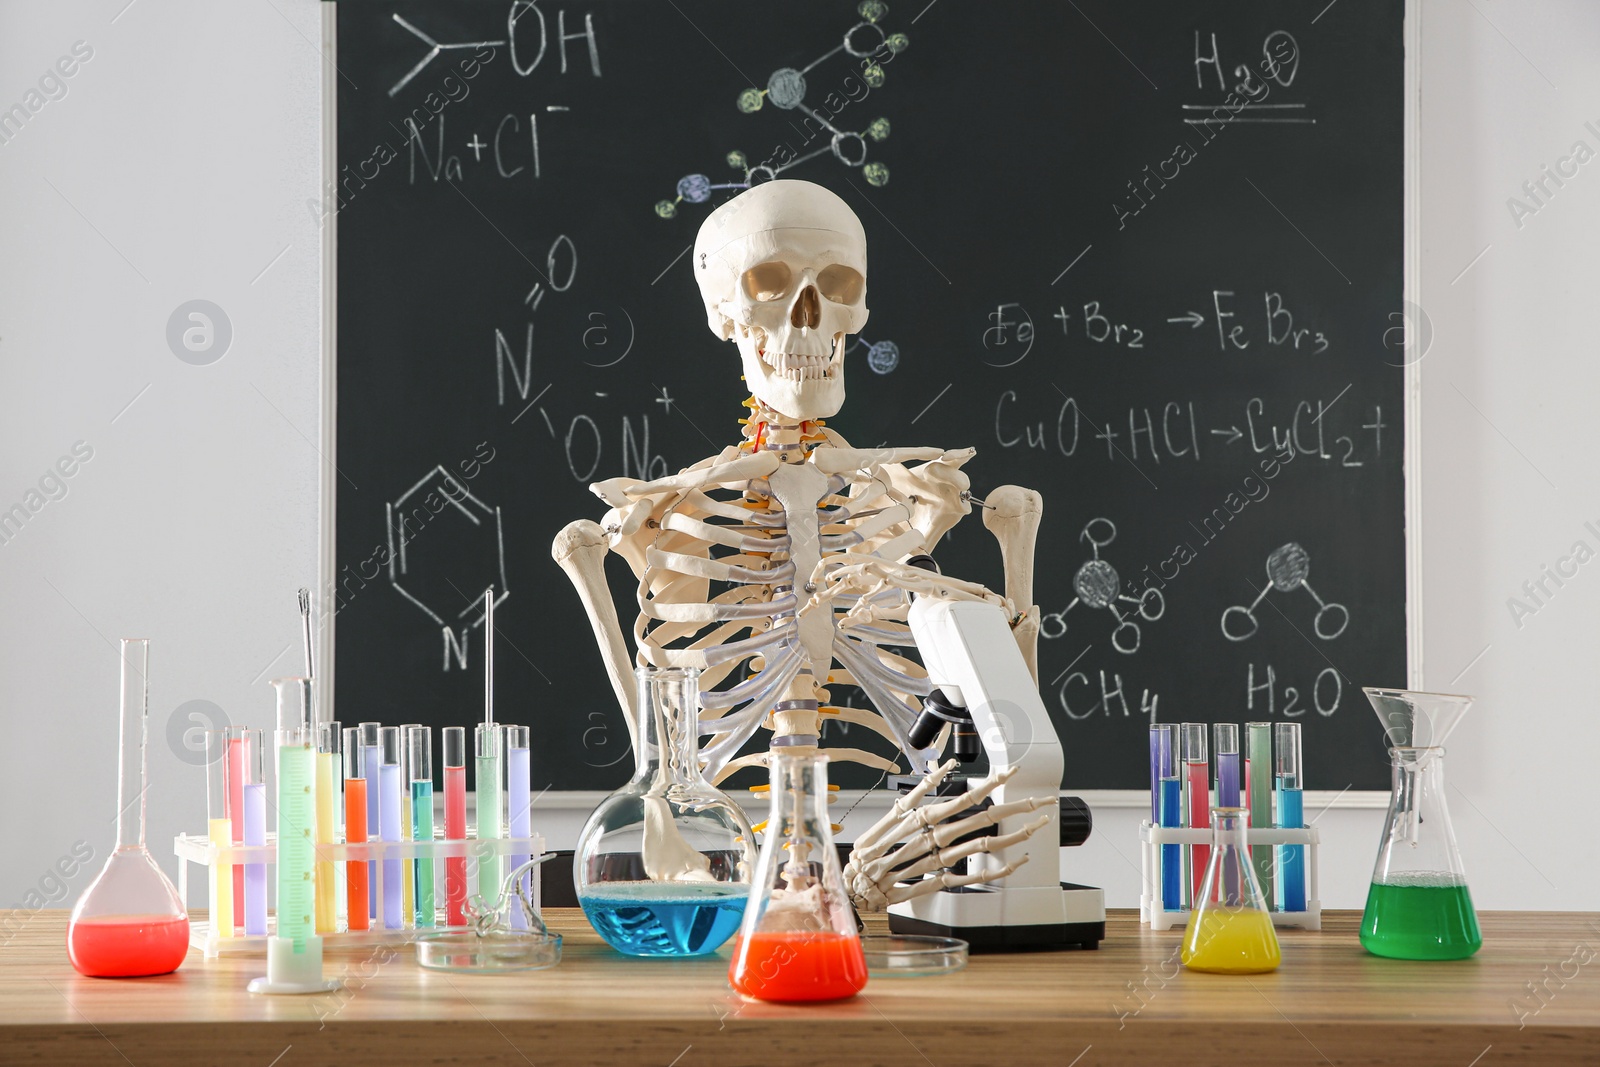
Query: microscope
(983,688)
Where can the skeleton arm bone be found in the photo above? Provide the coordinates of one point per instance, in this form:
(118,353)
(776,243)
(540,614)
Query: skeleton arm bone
(580,550)
(1012,514)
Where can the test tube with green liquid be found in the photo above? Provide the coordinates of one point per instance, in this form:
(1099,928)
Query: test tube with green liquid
(419,762)
(1258,784)
(329,777)
(490,800)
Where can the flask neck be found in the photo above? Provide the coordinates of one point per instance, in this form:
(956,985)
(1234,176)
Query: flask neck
(131,756)
(1230,827)
(668,723)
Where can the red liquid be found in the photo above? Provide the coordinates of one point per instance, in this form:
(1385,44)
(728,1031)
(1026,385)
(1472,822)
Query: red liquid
(800,965)
(1199,817)
(127,946)
(455,829)
(355,833)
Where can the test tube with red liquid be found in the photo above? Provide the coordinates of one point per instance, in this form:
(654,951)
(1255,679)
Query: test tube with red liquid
(455,822)
(358,905)
(1196,799)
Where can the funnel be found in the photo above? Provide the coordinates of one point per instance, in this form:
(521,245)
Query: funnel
(1417,720)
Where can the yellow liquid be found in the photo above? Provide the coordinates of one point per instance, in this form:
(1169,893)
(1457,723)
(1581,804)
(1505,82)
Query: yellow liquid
(220,833)
(408,895)
(1219,941)
(327,879)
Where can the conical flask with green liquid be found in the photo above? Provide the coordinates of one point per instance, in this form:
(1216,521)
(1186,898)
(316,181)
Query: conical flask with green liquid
(1418,907)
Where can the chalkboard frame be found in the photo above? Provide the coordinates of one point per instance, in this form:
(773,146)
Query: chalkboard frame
(1411,325)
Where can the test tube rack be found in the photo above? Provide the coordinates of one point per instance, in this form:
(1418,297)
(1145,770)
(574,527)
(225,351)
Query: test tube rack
(198,849)
(1151,838)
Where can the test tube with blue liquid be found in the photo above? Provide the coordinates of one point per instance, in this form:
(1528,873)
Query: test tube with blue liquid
(519,788)
(389,823)
(1225,746)
(1291,815)
(419,763)
(1167,788)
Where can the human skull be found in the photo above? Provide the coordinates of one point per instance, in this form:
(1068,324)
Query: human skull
(782,268)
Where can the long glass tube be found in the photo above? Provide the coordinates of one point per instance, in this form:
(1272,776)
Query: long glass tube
(389,807)
(1291,815)
(369,741)
(297,813)
(519,789)
(455,823)
(419,766)
(358,901)
(328,780)
(1225,745)
(490,802)
(1258,773)
(408,900)
(255,831)
(1196,798)
(219,832)
(1164,742)
(236,815)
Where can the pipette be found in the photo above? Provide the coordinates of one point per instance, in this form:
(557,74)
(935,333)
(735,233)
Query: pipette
(220,831)
(358,901)
(255,831)
(490,784)
(419,763)
(328,780)
(455,823)
(519,787)
(294,953)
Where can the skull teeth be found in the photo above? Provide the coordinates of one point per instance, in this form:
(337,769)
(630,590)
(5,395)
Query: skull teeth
(800,368)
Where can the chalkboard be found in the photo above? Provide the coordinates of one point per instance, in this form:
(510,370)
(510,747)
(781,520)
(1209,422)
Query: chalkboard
(1145,257)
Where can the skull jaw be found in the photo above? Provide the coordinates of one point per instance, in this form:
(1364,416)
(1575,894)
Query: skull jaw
(806,399)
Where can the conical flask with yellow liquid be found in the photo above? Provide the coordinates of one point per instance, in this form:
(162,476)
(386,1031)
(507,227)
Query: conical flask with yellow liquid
(1230,930)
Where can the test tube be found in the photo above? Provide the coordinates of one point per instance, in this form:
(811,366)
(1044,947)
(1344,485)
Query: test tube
(369,741)
(328,777)
(1164,744)
(1225,743)
(389,821)
(255,832)
(1258,779)
(358,901)
(219,830)
(519,789)
(1291,815)
(236,815)
(1196,799)
(455,822)
(490,803)
(408,910)
(419,766)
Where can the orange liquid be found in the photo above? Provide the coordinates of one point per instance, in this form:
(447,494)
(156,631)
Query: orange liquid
(127,946)
(355,833)
(798,965)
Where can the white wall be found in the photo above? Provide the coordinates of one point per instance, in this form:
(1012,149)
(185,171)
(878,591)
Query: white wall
(181,160)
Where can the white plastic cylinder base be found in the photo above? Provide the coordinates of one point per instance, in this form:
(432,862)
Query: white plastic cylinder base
(288,972)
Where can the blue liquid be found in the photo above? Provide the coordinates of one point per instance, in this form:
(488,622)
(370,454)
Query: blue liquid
(1291,858)
(665,918)
(255,874)
(1171,855)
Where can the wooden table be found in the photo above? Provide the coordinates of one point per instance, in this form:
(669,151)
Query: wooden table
(1128,1003)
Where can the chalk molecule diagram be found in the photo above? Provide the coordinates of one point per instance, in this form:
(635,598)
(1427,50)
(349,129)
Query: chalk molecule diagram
(1098,585)
(786,90)
(425,556)
(882,357)
(1287,568)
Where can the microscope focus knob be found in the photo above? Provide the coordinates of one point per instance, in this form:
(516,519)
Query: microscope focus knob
(1077,821)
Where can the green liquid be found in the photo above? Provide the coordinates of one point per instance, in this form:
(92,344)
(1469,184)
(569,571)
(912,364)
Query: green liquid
(422,830)
(1420,917)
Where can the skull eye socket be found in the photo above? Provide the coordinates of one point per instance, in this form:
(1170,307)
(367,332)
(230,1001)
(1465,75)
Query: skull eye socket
(766,281)
(840,284)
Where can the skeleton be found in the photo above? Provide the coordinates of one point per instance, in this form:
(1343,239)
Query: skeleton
(773,567)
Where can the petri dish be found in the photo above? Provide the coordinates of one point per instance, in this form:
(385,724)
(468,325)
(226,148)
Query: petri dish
(912,956)
(465,951)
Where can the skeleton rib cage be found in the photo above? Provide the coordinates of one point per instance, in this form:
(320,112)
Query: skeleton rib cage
(714,550)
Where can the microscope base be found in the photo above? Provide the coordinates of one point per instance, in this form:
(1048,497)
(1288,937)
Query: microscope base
(946,914)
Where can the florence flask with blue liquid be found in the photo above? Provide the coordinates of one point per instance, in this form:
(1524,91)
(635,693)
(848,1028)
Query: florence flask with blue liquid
(663,865)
